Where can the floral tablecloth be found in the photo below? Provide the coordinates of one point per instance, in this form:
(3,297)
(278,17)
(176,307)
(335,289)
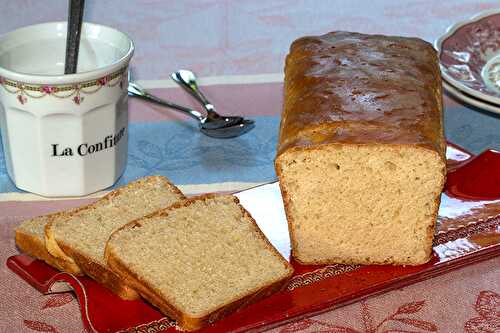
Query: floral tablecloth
(233,46)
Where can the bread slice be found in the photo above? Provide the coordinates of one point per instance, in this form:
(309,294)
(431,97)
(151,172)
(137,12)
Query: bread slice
(198,260)
(81,235)
(30,239)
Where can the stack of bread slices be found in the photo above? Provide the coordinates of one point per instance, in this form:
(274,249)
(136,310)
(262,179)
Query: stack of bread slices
(195,259)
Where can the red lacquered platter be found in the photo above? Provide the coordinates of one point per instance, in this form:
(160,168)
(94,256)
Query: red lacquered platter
(468,231)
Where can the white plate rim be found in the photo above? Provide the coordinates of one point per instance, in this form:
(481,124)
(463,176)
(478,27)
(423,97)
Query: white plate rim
(438,46)
(469,100)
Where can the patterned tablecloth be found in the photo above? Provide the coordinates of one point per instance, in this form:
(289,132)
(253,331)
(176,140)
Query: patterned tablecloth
(231,44)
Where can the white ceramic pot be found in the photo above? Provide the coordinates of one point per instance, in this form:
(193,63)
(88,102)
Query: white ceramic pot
(64,135)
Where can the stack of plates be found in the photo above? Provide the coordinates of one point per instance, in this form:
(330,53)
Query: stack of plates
(469,55)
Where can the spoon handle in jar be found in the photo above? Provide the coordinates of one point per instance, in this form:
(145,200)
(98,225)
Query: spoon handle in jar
(74,29)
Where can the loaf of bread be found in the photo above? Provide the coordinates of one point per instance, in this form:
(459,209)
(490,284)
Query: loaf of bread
(30,239)
(80,235)
(361,154)
(198,260)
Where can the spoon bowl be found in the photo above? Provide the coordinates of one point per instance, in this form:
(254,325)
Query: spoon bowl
(229,131)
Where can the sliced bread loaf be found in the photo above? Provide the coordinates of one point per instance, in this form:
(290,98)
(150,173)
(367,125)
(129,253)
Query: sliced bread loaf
(198,260)
(31,240)
(82,234)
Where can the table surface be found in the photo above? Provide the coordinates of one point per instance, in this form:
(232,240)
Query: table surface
(237,47)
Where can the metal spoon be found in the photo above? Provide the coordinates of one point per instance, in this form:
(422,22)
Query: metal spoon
(222,132)
(187,80)
(74,30)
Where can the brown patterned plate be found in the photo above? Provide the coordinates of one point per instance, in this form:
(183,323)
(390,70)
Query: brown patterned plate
(469,55)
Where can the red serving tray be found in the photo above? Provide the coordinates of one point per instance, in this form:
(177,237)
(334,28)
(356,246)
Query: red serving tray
(468,231)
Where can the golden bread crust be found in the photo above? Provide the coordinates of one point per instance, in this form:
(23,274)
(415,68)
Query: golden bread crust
(345,87)
(104,275)
(35,247)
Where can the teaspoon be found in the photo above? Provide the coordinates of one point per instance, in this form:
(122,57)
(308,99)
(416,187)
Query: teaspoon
(187,80)
(224,130)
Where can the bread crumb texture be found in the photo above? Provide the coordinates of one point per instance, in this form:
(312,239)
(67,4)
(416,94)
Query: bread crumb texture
(367,204)
(34,226)
(201,256)
(88,230)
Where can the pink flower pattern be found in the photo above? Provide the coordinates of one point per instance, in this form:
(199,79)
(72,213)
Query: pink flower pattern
(24,90)
(22,99)
(404,317)
(102,81)
(78,99)
(488,307)
(47,89)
